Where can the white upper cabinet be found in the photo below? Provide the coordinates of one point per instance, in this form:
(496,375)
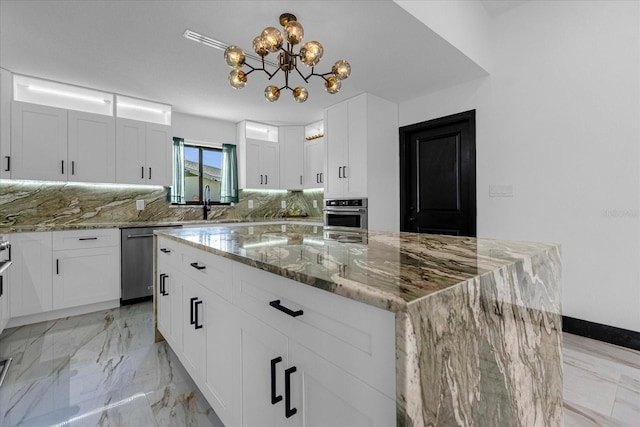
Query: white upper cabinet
(347,149)
(5,124)
(258,156)
(92,147)
(363,156)
(38,142)
(292,144)
(314,173)
(143,152)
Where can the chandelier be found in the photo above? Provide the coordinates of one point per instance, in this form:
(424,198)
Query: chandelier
(271,41)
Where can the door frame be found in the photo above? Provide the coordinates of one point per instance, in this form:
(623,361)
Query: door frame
(405,133)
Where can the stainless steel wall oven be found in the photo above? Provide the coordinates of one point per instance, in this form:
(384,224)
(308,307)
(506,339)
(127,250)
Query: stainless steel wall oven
(346,213)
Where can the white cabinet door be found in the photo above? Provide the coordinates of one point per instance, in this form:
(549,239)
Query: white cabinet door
(92,147)
(291,149)
(131,137)
(337,135)
(324,395)
(4,301)
(31,272)
(193,332)
(355,170)
(270,164)
(158,155)
(38,142)
(219,331)
(85,276)
(254,177)
(259,395)
(5,123)
(314,163)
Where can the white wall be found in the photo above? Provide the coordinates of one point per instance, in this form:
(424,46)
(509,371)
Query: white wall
(463,23)
(203,129)
(559,119)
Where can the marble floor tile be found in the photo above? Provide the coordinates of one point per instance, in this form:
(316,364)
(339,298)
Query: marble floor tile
(103,369)
(627,404)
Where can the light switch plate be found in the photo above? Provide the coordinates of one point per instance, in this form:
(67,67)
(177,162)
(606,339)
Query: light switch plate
(501,191)
(250,203)
(283,204)
(315,203)
(283,228)
(140,205)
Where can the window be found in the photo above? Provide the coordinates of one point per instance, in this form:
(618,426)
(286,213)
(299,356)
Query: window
(202,167)
(195,167)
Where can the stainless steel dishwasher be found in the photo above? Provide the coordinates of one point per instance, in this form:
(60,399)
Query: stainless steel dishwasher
(136,263)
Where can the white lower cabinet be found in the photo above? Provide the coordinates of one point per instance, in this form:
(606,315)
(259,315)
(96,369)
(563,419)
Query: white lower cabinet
(63,269)
(30,274)
(277,352)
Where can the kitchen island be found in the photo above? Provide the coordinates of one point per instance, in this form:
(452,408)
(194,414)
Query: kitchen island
(477,322)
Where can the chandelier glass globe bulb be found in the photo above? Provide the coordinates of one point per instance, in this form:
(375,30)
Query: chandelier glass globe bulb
(272,38)
(294,32)
(311,53)
(237,78)
(332,85)
(341,69)
(234,56)
(300,94)
(260,46)
(272,93)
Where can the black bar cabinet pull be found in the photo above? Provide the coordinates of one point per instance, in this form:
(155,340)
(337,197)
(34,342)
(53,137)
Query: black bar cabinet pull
(165,250)
(57,266)
(300,179)
(149,173)
(62,167)
(274,399)
(317,178)
(2,292)
(321,177)
(198,267)
(260,179)
(288,410)
(87,238)
(339,171)
(142,172)
(73,167)
(196,314)
(162,284)
(276,304)
(266,179)
(344,171)
(8,163)
(191,319)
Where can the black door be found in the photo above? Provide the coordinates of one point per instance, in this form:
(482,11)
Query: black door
(438,176)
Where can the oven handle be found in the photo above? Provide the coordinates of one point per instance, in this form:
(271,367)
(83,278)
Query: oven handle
(344,210)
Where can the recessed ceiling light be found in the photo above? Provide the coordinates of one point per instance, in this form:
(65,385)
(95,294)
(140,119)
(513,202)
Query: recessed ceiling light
(217,44)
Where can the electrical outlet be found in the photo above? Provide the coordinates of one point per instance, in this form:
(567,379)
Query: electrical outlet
(315,203)
(501,191)
(283,204)
(250,203)
(250,230)
(284,228)
(140,205)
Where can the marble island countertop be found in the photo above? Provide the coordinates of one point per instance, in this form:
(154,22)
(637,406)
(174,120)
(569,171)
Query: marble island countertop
(477,321)
(389,272)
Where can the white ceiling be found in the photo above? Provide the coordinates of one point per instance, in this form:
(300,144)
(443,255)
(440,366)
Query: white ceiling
(136,48)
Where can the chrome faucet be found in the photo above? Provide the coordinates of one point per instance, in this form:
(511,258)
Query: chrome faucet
(206,196)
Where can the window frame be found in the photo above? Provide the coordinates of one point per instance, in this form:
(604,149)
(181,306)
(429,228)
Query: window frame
(200,201)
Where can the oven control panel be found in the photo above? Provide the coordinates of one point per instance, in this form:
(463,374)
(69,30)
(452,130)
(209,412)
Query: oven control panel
(346,202)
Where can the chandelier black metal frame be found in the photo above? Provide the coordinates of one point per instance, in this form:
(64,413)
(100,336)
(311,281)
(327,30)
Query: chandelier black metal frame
(271,41)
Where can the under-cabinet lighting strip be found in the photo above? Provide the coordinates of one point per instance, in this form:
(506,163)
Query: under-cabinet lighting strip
(140,107)
(67,94)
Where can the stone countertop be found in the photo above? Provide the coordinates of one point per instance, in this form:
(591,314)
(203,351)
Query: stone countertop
(391,271)
(44,226)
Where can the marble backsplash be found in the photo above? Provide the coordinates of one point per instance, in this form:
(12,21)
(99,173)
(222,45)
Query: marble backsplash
(24,203)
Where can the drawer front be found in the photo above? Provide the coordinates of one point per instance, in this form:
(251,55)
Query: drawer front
(211,271)
(354,336)
(168,251)
(85,239)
